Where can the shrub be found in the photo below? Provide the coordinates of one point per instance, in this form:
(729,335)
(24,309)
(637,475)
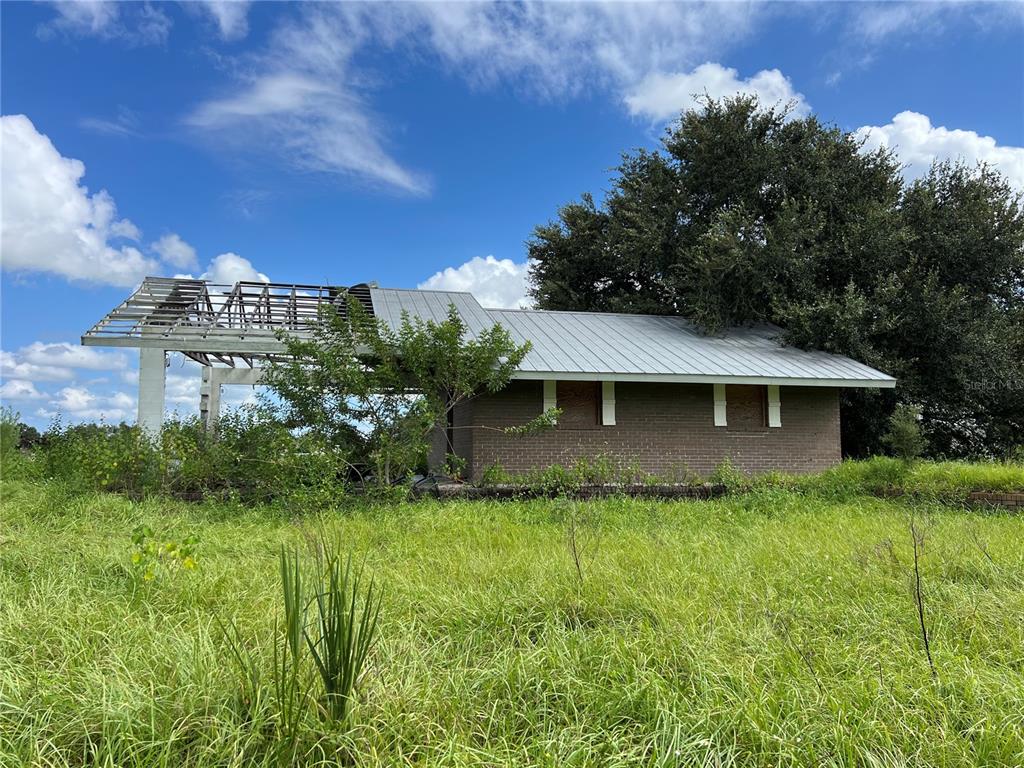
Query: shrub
(253,457)
(904,437)
(727,475)
(15,464)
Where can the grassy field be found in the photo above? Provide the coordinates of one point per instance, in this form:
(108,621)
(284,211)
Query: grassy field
(773,628)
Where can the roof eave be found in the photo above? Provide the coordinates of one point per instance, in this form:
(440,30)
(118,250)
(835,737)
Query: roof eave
(692,378)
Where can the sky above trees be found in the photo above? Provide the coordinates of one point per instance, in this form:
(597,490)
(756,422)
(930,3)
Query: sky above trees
(409,144)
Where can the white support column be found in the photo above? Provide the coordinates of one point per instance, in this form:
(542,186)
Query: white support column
(720,420)
(152,383)
(774,406)
(608,403)
(550,394)
(214,379)
(209,397)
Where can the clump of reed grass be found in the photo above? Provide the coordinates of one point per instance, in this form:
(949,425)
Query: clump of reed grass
(320,646)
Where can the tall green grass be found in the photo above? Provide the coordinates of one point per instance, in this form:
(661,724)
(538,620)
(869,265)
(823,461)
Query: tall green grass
(771,628)
(947,480)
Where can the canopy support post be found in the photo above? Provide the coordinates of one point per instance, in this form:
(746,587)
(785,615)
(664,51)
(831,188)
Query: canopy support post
(152,385)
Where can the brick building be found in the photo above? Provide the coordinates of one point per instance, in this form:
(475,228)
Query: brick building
(647,391)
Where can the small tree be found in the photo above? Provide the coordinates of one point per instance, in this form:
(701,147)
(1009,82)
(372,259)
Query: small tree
(904,437)
(361,384)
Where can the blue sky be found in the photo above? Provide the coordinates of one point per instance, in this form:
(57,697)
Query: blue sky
(408,144)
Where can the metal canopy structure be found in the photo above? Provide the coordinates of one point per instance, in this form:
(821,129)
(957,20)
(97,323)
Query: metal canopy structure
(221,325)
(225,323)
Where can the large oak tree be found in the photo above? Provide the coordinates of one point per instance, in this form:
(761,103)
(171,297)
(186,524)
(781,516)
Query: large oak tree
(748,215)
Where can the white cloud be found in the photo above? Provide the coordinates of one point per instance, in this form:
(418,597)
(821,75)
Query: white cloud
(874,23)
(56,362)
(20,391)
(66,355)
(131,23)
(231,16)
(13,367)
(176,252)
(663,95)
(299,97)
(78,403)
(124,123)
(50,222)
(561,49)
(499,283)
(304,95)
(230,268)
(918,144)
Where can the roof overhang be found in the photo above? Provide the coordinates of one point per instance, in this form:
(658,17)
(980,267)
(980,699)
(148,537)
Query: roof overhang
(671,378)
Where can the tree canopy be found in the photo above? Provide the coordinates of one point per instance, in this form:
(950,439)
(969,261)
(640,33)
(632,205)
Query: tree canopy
(376,393)
(748,215)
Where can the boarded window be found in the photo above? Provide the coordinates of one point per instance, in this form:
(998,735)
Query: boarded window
(746,407)
(580,402)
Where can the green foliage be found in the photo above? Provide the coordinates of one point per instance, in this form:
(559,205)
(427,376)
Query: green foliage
(727,475)
(14,462)
(545,421)
(495,474)
(946,480)
(152,556)
(103,457)
(378,392)
(747,215)
(454,466)
(252,457)
(344,630)
(728,632)
(315,662)
(904,437)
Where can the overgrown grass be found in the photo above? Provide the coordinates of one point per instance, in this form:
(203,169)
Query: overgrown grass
(949,480)
(765,629)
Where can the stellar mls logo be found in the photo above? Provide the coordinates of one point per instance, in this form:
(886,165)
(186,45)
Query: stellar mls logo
(1006,383)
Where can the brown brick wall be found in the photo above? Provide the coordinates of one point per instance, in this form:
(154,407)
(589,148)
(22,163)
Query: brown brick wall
(1009,499)
(666,429)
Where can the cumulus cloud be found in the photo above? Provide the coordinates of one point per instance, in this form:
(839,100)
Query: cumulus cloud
(51,223)
(230,268)
(663,95)
(66,355)
(79,403)
(499,283)
(918,144)
(13,367)
(40,361)
(24,371)
(132,23)
(176,252)
(19,391)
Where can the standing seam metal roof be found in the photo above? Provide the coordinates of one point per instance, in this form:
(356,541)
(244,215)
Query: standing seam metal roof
(634,347)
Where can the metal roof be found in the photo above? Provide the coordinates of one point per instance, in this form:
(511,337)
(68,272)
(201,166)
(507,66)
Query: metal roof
(390,303)
(608,346)
(622,347)
(213,322)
